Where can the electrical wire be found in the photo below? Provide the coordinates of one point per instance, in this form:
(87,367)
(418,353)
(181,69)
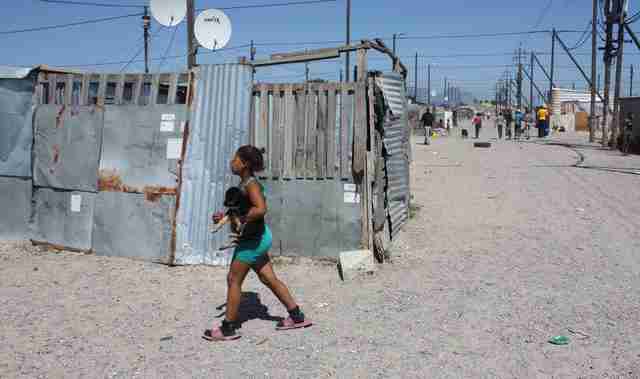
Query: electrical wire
(156,59)
(166,51)
(254,6)
(583,39)
(275,5)
(141,49)
(485,35)
(92,4)
(68,25)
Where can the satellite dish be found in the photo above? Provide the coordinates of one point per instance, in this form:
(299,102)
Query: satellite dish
(213,29)
(168,12)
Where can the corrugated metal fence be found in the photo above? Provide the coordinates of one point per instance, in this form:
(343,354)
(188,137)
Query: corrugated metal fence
(397,142)
(134,165)
(219,126)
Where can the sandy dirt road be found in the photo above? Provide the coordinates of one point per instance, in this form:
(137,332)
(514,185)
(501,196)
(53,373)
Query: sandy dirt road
(511,246)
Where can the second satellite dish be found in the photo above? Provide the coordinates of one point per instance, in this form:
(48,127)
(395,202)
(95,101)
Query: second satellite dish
(213,29)
(168,12)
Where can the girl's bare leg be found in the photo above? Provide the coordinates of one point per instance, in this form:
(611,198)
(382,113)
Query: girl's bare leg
(237,273)
(268,278)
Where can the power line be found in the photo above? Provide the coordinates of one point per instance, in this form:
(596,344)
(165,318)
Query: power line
(141,49)
(166,52)
(274,5)
(485,35)
(254,6)
(92,4)
(115,63)
(72,24)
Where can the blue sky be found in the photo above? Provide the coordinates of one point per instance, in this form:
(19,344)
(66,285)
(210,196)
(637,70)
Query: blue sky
(119,40)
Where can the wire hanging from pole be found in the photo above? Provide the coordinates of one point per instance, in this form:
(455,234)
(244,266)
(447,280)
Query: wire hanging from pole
(166,51)
(141,49)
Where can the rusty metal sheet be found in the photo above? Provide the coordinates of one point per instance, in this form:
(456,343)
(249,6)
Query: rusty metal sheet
(141,147)
(67,147)
(16,131)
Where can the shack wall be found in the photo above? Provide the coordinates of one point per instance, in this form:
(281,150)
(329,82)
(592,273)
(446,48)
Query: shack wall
(220,112)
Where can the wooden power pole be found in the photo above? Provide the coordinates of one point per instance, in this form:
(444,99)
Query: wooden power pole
(191,47)
(607,70)
(594,67)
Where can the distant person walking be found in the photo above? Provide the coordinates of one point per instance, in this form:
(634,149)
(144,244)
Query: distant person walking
(508,119)
(477,123)
(518,117)
(500,124)
(427,124)
(543,122)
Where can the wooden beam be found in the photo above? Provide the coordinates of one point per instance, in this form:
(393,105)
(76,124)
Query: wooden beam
(321,156)
(331,131)
(289,132)
(173,88)
(360,133)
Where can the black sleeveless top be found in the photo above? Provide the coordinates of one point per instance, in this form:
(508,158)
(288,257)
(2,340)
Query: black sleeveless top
(253,230)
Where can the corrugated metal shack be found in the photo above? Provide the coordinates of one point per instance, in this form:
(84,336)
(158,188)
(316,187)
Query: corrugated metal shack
(134,165)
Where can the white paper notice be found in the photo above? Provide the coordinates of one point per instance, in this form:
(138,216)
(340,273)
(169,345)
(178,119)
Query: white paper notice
(174,148)
(351,198)
(168,117)
(76,203)
(350,187)
(167,126)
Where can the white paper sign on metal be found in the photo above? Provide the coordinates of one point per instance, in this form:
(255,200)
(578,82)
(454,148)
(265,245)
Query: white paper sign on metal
(174,148)
(76,203)
(168,117)
(351,198)
(167,126)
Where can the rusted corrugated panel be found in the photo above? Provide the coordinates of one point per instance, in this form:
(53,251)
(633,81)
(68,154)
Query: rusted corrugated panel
(67,147)
(16,131)
(141,147)
(219,125)
(392,85)
(397,142)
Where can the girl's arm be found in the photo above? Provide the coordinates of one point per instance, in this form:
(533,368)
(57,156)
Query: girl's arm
(259,205)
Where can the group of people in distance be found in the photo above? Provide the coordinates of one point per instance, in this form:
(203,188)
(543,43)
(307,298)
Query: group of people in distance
(522,122)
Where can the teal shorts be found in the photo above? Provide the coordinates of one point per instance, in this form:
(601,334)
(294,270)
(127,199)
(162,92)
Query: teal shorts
(254,252)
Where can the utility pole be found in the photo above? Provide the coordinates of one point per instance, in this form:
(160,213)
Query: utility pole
(553,57)
(252,51)
(607,70)
(531,84)
(615,130)
(429,84)
(594,68)
(519,79)
(444,90)
(306,72)
(341,76)
(191,48)
(146,24)
(347,63)
(415,80)
(631,82)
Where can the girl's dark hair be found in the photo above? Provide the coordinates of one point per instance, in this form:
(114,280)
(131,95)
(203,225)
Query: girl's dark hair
(252,157)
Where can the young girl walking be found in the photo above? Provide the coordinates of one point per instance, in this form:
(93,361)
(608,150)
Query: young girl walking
(251,253)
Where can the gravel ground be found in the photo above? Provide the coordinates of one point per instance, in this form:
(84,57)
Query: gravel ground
(511,246)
